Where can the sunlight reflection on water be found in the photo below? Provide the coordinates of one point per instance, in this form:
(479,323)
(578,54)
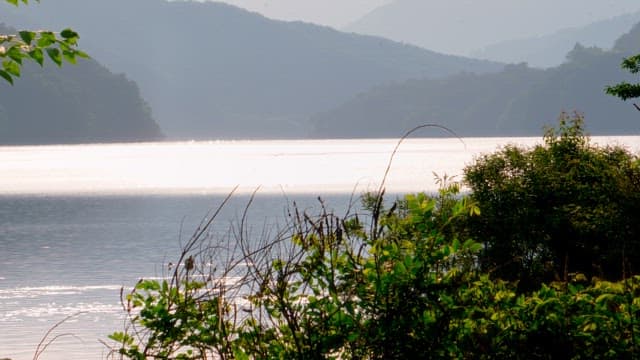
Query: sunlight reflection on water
(294,166)
(215,167)
(72,217)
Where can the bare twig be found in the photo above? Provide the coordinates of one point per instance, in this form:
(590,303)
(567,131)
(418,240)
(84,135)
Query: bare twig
(381,190)
(404,137)
(44,343)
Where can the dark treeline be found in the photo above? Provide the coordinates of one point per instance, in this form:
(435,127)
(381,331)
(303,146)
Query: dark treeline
(210,70)
(517,101)
(73,104)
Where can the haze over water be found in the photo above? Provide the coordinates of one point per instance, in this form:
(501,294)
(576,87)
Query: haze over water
(293,166)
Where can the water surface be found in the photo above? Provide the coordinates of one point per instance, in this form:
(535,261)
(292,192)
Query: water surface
(79,222)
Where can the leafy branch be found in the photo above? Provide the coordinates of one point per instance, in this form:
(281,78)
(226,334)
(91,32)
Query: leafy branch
(625,90)
(36,46)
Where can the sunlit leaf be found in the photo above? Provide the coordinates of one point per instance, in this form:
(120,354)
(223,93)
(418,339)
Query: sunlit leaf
(11,67)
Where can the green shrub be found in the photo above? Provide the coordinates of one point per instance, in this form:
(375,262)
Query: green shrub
(407,281)
(562,207)
(327,287)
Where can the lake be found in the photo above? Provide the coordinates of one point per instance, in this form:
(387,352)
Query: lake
(79,222)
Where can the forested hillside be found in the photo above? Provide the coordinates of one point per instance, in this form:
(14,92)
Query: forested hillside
(461,26)
(74,104)
(516,101)
(210,70)
(551,50)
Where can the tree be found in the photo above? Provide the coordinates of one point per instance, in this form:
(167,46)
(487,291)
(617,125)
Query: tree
(625,90)
(563,207)
(396,283)
(35,46)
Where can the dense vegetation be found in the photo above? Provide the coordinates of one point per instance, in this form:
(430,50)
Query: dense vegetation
(560,208)
(517,101)
(408,279)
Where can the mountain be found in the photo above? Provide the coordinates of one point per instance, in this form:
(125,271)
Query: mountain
(550,50)
(461,26)
(79,103)
(211,70)
(517,101)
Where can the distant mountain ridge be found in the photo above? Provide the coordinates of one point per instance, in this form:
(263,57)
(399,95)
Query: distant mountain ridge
(551,50)
(519,101)
(462,26)
(211,70)
(80,103)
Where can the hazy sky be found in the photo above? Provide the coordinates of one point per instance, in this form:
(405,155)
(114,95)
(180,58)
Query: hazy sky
(335,13)
(459,27)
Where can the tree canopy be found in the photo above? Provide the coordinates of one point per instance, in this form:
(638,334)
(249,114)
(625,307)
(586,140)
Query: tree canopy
(563,207)
(35,46)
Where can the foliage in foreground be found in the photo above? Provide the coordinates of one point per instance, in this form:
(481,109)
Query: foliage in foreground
(625,90)
(36,46)
(389,284)
(563,207)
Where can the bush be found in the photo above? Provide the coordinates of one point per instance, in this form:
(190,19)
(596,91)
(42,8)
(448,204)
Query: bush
(407,281)
(559,208)
(381,285)
(396,285)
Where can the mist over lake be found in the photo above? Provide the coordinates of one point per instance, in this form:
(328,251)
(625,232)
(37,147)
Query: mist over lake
(216,167)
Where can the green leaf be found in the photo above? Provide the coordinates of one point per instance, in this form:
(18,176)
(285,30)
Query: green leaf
(632,64)
(69,34)
(5,75)
(54,54)
(47,38)
(16,54)
(70,56)
(27,36)
(37,55)
(11,67)
(605,298)
(81,54)
(238,354)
